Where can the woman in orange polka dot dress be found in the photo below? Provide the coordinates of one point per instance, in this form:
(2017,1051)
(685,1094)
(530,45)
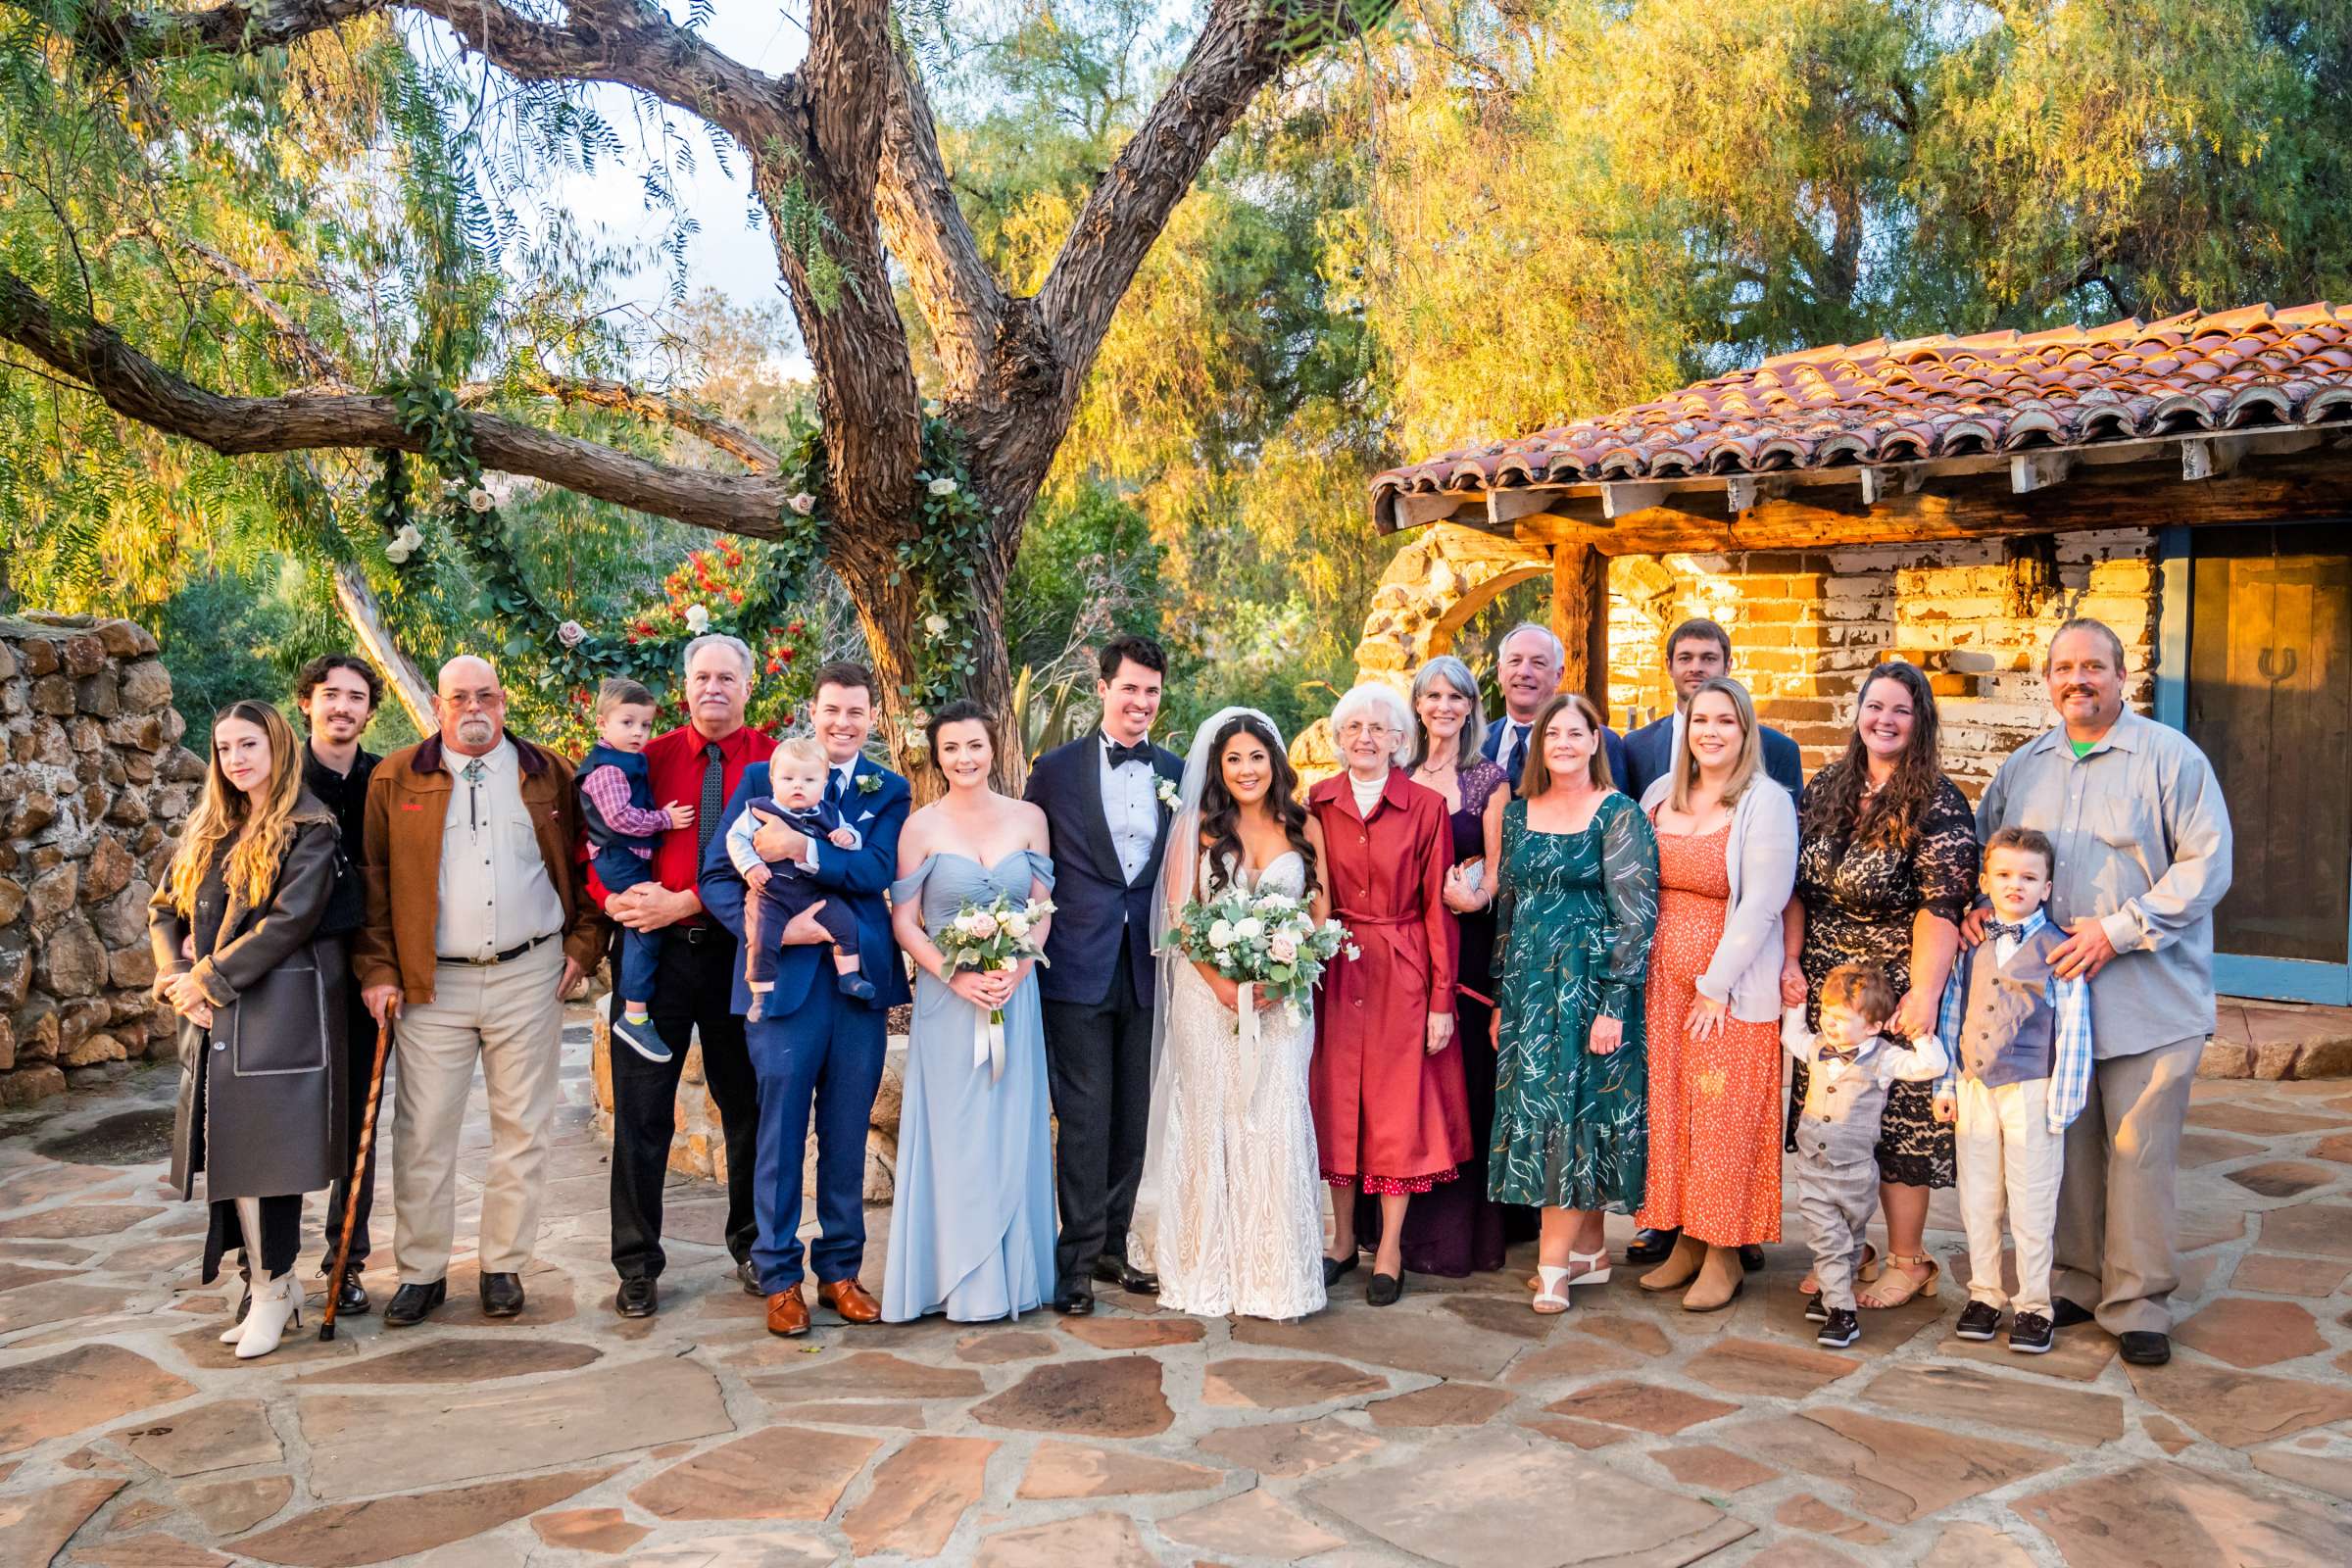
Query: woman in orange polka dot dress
(1726,859)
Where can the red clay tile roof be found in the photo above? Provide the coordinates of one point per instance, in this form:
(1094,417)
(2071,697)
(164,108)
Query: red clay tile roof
(1938,397)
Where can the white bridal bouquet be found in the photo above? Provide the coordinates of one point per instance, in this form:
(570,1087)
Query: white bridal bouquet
(992,938)
(1265,940)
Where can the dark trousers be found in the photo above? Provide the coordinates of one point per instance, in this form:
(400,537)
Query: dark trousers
(359,1044)
(1098,1064)
(692,988)
(821,1061)
(768,912)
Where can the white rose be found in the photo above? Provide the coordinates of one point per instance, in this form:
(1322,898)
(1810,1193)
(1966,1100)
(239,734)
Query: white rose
(984,925)
(478,499)
(935,625)
(409,538)
(572,634)
(1016,926)
(698,619)
(942,486)
(1220,935)
(1249,928)
(397,553)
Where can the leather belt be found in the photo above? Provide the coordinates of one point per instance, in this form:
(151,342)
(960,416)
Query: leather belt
(508,956)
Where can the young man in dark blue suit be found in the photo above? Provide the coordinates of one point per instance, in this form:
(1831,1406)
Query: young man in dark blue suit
(1109,825)
(1527,665)
(813,1046)
(1696,652)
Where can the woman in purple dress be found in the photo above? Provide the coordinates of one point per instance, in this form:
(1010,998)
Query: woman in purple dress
(1456,1229)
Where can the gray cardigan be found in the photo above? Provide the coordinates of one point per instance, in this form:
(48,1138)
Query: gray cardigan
(1761,859)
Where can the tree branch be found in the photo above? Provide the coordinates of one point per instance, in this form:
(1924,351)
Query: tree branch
(136,387)
(1239,51)
(621,397)
(959,297)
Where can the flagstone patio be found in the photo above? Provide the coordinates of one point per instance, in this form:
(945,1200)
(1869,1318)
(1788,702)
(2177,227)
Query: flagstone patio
(1455,1427)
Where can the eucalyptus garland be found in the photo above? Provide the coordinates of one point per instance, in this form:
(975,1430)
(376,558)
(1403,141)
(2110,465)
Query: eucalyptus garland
(576,657)
(940,560)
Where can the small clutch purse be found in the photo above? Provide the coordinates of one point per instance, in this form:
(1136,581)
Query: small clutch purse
(1474,873)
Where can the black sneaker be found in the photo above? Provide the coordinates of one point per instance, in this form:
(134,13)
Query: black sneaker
(1815,1312)
(2030,1334)
(2067,1315)
(1980,1321)
(1842,1329)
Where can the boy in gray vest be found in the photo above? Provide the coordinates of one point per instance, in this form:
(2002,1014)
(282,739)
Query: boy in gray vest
(1850,1064)
(2021,1069)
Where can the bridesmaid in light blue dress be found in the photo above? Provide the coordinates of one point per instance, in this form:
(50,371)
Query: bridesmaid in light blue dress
(971,1226)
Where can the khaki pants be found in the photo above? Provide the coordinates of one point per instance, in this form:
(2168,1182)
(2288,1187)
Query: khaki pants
(2009,1158)
(2116,1229)
(509,1016)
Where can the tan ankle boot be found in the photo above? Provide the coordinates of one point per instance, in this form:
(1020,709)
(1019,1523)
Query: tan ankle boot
(1681,1266)
(1720,1278)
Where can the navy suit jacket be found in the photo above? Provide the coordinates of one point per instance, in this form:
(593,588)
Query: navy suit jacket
(859,878)
(1099,915)
(1650,754)
(1491,748)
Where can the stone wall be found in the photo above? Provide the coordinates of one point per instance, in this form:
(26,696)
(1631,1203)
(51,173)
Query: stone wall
(1806,625)
(93,787)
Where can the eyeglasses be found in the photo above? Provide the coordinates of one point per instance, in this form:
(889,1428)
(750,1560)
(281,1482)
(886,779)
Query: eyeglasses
(483,700)
(1364,729)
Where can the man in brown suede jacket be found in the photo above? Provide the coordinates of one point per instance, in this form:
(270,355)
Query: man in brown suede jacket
(478,927)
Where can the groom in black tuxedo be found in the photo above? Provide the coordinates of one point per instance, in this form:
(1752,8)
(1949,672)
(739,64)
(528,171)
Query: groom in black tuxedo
(1108,826)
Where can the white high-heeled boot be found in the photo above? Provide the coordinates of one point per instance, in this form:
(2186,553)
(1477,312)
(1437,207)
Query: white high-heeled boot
(276,1301)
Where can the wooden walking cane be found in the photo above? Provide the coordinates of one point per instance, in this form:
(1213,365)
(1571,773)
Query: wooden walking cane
(358,1174)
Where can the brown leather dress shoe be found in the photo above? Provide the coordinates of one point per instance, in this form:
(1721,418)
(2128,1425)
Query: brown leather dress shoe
(786,1314)
(849,1299)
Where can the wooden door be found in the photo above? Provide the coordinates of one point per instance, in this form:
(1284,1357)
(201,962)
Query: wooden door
(2270,701)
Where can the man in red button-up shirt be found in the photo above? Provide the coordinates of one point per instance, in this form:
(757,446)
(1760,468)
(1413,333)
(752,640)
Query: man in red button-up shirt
(699,766)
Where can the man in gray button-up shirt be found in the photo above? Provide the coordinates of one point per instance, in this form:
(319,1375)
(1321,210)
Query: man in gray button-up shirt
(2143,855)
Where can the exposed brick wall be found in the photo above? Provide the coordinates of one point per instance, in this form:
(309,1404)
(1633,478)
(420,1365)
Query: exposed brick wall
(1806,625)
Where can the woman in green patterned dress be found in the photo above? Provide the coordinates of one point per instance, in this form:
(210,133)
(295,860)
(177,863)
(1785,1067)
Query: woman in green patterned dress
(1579,900)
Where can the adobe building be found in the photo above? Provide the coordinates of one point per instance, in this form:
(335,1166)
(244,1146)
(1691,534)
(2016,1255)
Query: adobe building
(1949,500)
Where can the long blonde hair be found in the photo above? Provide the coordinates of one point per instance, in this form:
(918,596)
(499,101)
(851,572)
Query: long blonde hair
(1745,768)
(223,813)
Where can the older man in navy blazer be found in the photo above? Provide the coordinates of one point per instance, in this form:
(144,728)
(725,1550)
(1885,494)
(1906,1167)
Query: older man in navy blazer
(1527,665)
(1109,822)
(815,1047)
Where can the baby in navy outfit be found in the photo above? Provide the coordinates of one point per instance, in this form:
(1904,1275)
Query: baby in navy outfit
(783,889)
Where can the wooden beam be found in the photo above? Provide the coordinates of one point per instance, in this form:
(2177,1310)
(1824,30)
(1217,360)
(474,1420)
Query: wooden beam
(1895,479)
(1579,620)
(1504,507)
(2315,485)
(2039,470)
(1414,510)
(1743,492)
(2211,458)
(1618,499)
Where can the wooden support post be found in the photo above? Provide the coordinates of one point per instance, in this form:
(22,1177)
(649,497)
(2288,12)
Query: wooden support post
(1579,620)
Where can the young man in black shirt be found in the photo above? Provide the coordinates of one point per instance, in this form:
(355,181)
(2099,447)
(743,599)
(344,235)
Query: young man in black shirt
(339,694)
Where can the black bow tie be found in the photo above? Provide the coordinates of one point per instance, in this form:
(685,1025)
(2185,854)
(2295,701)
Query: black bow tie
(1996,930)
(1121,755)
(1830,1052)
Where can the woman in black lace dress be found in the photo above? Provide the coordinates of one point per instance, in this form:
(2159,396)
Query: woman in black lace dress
(1885,869)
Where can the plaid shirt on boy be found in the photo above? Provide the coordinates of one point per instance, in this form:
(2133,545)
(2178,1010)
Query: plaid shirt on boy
(2070,1044)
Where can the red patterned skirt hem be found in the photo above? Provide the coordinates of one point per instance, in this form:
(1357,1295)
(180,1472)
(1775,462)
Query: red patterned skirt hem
(1392,1186)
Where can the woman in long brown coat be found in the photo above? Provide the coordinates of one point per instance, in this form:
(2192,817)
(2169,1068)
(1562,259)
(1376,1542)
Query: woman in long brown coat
(1391,1110)
(258,990)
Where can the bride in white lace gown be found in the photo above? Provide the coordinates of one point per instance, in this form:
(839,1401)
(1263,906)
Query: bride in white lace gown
(1230,1161)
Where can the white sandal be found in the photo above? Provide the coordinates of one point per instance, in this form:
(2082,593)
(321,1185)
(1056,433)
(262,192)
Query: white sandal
(1552,1299)
(1588,1273)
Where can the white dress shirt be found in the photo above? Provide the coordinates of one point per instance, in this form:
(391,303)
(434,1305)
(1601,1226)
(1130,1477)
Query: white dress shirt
(494,888)
(1130,808)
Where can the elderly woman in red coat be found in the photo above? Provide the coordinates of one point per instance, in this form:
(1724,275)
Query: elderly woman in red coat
(1392,1111)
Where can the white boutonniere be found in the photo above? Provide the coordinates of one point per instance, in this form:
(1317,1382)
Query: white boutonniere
(1170,796)
(869,783)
